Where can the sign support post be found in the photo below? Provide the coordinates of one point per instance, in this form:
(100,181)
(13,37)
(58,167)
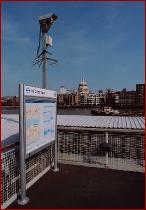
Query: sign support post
(23,200)
(56,169)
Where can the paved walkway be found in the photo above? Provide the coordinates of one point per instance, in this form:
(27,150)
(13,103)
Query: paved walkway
(84,187)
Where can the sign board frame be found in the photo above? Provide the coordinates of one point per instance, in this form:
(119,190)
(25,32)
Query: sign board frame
(29,92)
(38,97)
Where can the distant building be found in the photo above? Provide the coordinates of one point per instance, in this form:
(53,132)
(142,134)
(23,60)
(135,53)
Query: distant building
(83,92)
(10,101)
(89,99)
(67,98)
(140,93)
(125,98)
(92,99)
(109,98)
(62,90)
(81,97)
(83,88)
(132,98)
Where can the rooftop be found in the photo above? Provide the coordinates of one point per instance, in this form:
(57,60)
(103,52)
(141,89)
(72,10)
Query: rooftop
(10,124)
(113,122)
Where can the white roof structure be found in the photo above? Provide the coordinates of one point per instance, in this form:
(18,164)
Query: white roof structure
(10,124)
(9,129)
(104,122)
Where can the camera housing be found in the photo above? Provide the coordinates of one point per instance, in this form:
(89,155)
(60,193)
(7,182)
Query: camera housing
(46,21)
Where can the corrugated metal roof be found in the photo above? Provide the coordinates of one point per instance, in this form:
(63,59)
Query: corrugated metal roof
(10,123)
(113,122)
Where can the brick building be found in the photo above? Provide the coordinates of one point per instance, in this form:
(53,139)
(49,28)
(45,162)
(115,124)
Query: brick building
(140,94)
(125,99)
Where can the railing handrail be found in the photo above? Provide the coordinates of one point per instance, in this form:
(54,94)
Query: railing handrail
(9,146)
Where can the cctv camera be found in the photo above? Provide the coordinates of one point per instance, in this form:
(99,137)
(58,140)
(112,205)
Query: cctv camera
(46,21)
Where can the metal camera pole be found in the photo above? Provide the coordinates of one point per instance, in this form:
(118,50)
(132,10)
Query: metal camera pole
(46,22)
(45,61)
(45,85)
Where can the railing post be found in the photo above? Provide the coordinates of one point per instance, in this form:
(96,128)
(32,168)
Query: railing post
(106,153)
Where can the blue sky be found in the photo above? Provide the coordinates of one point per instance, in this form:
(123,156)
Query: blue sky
(103,41)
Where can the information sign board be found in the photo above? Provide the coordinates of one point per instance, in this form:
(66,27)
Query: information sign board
(39,118)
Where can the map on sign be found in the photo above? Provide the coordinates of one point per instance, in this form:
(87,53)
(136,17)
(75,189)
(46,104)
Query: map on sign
(40,124)
(33,122)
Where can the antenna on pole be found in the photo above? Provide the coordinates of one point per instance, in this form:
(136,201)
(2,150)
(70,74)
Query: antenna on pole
(43,58)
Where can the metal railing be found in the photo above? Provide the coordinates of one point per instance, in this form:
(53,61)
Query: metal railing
(36,167)
(124,151)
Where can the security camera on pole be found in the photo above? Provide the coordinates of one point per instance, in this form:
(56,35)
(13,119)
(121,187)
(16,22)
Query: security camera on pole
(43,58)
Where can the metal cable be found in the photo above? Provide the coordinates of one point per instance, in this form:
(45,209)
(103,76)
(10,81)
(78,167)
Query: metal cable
(39,42)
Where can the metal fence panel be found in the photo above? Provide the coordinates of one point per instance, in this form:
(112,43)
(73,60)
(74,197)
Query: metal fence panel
(127,150)
(36,166)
